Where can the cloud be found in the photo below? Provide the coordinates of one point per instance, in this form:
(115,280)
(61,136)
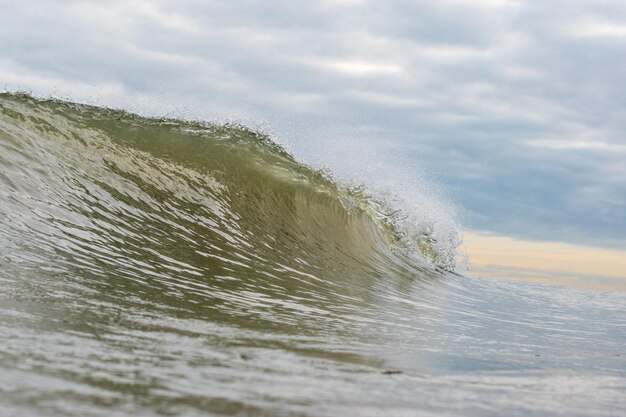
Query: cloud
(553,263)
(13,74)
(591,28)
(517,115)
(565,144)
(354,68)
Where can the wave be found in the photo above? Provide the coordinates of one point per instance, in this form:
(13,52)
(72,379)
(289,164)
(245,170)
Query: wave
(120,183)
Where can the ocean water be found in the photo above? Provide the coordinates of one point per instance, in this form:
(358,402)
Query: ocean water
(161,267)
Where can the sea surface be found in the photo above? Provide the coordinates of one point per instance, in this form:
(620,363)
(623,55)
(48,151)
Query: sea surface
(159,267)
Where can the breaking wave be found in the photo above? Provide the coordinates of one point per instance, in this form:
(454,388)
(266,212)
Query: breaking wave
(108,190)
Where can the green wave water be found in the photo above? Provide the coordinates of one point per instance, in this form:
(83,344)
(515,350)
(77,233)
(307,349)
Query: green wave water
(165,267)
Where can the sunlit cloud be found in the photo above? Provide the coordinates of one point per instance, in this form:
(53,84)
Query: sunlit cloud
(577,144)
(546,262)
(592,28)
(355,68)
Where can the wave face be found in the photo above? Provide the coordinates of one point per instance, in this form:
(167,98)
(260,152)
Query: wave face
(157,266)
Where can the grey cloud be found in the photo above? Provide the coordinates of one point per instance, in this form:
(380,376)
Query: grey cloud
(478,92)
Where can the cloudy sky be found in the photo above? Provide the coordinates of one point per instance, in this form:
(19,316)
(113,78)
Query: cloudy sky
(514,110)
